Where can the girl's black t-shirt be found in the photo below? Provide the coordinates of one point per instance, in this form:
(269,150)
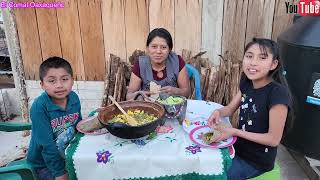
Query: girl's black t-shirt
(254,117)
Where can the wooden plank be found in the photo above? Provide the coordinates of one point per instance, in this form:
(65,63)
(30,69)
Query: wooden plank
(282,20)
(212,17)
(187,25)
(161,14)
(92,38)
(114,28)
(29,41)
(48,31)
(234,28)
(137,24)
(260,19)
(69,29)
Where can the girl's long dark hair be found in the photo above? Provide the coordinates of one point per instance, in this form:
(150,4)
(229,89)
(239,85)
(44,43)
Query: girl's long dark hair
(267,45)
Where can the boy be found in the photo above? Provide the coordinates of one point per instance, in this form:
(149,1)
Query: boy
(54,115)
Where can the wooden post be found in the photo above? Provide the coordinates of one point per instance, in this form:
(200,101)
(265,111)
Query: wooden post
(16,59)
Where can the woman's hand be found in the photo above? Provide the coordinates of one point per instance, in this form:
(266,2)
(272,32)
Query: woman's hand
(214,119)
(170,90)
(139,95)
(226,132)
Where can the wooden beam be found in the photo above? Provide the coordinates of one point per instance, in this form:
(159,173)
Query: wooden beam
(16,60)
(48,31)
(259,19)
(137,24)
(234,28)
(70,37)
(92,39)
(187,25)
(212,17)
(161,14)
(114,30)
(28,34)
(282,20)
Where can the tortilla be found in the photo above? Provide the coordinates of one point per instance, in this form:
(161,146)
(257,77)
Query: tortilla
(210,137)
(154,90)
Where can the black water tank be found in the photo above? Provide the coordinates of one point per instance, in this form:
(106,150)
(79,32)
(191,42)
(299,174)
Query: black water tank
(300,51)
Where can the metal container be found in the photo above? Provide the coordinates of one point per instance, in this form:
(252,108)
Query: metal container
(131,132)
(300,51)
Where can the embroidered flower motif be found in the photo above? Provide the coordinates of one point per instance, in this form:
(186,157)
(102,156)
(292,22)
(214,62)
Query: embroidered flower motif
(152,135)
(122,143)
(242,99)
(194,149)
(197,123)
(250,100)
(138,142)
(104,156)
(250,122)
(171,139)
(164,129)
(187,122)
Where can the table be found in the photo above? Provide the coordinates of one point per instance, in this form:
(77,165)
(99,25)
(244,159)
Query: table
(167,153)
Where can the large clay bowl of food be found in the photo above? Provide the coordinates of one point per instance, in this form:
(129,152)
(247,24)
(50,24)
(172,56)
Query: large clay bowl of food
(147,114)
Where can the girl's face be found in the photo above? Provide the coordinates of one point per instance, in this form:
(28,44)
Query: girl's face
(257,64)
(158,50)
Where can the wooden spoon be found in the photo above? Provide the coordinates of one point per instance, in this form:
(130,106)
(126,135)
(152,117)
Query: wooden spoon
(130,119)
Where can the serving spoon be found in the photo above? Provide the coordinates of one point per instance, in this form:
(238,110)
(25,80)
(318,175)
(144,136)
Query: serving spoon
(131,121)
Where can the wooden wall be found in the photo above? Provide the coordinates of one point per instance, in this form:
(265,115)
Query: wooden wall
(85,32)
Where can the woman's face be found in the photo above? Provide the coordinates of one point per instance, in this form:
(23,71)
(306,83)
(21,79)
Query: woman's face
(158,50)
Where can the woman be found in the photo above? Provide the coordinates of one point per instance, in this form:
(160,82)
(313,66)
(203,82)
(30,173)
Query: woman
(161,66)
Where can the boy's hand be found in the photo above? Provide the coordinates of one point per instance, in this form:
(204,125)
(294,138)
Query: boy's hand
(63,177)
(214,119)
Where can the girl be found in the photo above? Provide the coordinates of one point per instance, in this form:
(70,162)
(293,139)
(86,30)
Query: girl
(264,100)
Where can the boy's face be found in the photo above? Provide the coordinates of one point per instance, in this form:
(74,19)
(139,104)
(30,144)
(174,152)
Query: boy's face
(57,83)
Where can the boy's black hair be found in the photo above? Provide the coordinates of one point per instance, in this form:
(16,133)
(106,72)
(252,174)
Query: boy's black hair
(268,45)
(160,32)
(54,62)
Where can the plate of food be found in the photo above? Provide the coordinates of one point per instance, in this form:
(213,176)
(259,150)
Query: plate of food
(91,126)
(204,135)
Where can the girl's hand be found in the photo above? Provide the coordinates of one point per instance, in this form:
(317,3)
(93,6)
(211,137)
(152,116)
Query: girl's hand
(214,119)
(226,132)
(169,89)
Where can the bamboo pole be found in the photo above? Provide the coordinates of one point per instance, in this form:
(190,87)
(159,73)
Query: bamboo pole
(16,60)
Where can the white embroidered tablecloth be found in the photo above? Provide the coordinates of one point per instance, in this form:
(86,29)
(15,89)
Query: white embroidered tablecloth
(167,155)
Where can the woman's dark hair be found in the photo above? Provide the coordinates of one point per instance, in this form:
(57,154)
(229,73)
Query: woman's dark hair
(160,32)
(268,45)
(54,62)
